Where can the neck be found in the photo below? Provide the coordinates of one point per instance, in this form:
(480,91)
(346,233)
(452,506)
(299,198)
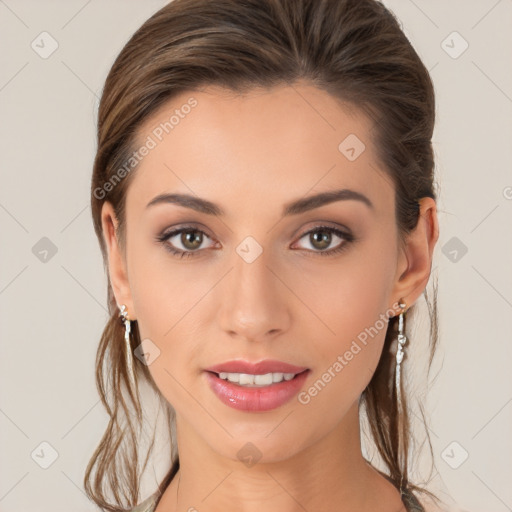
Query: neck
(329,474)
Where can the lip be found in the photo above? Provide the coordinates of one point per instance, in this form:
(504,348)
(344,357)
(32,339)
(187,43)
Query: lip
(256,399)
(260,368)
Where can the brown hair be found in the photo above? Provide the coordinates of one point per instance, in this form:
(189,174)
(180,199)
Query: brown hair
(354,50)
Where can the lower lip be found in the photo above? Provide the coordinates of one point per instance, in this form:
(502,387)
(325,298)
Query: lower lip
(255,399)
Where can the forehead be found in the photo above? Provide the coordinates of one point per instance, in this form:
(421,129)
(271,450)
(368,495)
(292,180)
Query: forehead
(256,148)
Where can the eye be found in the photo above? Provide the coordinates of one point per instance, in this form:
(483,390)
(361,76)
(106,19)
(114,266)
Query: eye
(321,237)
(189,237)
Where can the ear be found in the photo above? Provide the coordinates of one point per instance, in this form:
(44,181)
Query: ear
(116,260)
(415,261)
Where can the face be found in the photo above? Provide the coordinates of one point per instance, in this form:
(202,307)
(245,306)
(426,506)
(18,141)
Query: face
(310,286)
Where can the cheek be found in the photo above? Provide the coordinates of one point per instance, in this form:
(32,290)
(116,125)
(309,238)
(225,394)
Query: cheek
(171,301)
(346,361)
(347,322)
(163,288)
(161,302)
(343,298)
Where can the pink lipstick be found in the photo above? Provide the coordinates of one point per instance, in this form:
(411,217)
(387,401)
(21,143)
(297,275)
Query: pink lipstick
(256,387)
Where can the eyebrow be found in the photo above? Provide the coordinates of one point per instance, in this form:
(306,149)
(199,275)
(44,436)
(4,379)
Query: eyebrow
(292,208)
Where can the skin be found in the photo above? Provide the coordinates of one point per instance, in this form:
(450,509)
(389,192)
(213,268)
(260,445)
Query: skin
(251,154)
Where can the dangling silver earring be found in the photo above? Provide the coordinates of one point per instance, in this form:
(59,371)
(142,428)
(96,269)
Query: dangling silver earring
(400,351)
(129,356)
(399,357)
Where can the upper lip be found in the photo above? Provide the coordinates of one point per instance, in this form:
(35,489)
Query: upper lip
(260,368)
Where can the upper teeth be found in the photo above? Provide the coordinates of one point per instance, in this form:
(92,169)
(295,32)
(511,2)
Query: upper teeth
(246,379)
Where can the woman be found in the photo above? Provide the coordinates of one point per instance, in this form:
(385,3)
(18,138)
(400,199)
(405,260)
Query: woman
(264,200)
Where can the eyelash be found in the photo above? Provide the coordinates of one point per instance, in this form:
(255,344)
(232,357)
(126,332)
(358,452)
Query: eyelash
(331,252)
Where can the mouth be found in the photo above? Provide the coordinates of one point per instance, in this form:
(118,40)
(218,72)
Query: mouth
(256,392)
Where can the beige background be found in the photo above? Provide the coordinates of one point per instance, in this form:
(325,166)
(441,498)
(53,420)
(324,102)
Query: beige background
(53,304)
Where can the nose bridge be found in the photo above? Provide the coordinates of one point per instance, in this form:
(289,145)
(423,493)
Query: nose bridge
(253,305)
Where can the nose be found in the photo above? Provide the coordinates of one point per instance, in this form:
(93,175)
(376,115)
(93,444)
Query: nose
(254,301)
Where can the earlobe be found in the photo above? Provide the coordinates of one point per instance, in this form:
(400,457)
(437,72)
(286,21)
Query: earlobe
(116,261)
(411,282)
